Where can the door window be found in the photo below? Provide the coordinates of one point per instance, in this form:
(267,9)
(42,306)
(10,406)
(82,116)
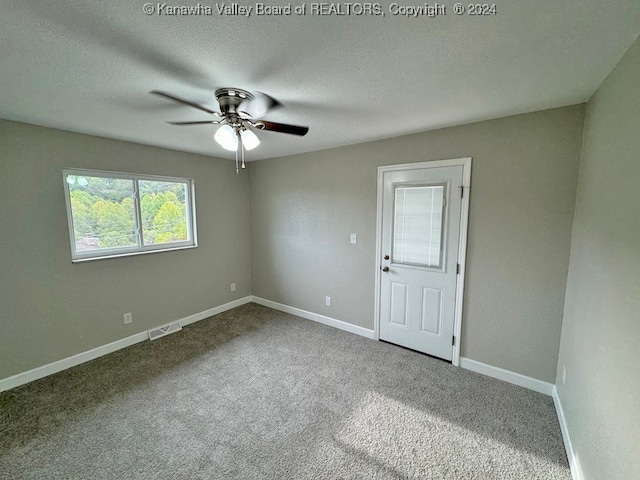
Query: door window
(417,225)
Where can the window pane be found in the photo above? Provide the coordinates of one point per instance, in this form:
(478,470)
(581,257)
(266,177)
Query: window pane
(164,212)
(417,225)
(103,212)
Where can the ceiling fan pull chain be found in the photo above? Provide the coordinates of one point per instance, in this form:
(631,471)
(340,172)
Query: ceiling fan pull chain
(242,146)
(237,170)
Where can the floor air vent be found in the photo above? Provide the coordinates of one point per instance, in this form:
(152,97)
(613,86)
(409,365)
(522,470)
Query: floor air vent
(164,330)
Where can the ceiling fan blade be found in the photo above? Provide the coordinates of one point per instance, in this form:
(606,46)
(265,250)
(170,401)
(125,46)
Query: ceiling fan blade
(186,102)
(205,122)
(259,105)
(282,128)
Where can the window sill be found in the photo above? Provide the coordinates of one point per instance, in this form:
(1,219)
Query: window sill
(130,254)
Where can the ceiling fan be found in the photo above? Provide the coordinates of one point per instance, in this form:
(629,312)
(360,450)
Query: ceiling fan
(240,112)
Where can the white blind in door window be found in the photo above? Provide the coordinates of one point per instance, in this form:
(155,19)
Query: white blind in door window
(417,225)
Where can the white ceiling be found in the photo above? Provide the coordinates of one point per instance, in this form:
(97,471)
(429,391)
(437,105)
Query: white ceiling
(88,67)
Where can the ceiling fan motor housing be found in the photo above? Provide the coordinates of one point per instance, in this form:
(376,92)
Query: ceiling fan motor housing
(230,98)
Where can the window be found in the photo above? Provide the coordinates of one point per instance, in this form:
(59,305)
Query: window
(115,214)
(417,225)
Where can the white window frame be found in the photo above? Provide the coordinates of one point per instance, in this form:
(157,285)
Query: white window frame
(190,201)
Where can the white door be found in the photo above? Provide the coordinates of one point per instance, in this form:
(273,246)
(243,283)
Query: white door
(421,212)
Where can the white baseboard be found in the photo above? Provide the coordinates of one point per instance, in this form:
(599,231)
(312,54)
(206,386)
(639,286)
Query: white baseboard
(332,322)
(55,367)
(576,473)
(196,317)
(507,376)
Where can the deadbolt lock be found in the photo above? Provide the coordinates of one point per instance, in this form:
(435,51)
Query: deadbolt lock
(386,257)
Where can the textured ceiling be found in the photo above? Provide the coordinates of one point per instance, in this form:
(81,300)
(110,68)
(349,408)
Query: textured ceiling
(88,67)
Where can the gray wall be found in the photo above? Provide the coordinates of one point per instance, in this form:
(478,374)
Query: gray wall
(525,170)
(50,308)
(601,330)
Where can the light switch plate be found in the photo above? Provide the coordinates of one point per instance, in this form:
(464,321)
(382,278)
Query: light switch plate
(354,238)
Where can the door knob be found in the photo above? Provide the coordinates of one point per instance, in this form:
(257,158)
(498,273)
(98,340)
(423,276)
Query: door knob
(385,269)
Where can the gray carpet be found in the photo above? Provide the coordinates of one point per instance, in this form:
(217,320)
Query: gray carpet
(257,394)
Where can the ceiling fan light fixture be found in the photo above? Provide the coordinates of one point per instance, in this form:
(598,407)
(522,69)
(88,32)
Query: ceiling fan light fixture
(249,139)
(226,137)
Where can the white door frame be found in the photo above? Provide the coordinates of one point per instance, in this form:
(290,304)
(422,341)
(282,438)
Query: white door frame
(462,250)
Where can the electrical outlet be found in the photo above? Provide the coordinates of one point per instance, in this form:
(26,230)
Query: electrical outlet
(564,374)
(233,287)
(354,238)
(327,301)
(127,318)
